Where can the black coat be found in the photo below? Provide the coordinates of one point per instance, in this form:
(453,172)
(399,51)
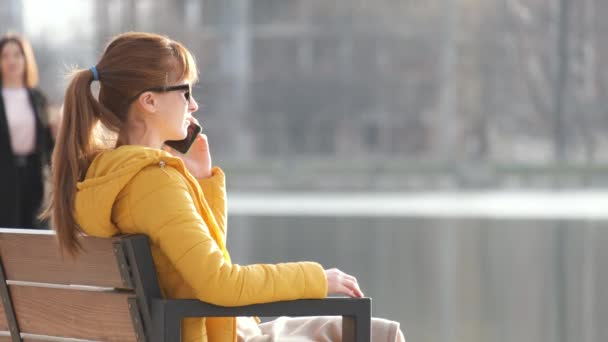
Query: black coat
(8,167)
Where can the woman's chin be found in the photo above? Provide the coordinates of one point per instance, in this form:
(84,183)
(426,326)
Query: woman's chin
(180,136)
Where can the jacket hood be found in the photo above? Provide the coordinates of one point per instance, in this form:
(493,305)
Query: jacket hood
(109,173)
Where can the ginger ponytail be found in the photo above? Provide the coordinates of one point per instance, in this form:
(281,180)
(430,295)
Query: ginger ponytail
(72,156)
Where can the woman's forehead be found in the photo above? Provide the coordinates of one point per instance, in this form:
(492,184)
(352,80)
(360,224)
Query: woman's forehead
(11,46)
(176,77)
(182,70)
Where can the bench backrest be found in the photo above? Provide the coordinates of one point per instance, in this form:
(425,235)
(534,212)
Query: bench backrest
(91,297)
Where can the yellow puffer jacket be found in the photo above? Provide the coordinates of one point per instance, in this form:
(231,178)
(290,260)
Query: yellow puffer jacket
(133,189)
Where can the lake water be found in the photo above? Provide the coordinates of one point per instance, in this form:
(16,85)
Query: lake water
(458,278)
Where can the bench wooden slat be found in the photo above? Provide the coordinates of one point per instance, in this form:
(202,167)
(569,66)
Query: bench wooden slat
(100,316)
(8,339)
(3,322)
(36,258)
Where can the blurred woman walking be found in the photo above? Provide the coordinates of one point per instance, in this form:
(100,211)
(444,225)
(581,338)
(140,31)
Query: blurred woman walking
(25,137)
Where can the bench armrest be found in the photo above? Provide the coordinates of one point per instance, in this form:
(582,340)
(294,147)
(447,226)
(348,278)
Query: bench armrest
(302,307)
(355,312)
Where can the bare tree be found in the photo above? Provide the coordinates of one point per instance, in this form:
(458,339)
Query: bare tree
(585,73)
(561,80)
(532,59)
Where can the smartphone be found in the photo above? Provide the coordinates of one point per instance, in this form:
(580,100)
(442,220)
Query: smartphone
(182,146)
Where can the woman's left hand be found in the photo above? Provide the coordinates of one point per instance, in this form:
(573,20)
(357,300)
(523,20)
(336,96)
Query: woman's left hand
(198,158)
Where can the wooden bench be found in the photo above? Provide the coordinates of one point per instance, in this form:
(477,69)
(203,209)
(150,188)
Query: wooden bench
(111,293)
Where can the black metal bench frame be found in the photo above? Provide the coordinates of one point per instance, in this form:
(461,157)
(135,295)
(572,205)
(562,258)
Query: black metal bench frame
(159,319)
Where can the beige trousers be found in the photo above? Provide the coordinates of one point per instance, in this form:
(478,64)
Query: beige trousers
(310,329)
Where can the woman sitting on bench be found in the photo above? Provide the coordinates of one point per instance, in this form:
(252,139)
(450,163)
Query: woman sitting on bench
(114,174)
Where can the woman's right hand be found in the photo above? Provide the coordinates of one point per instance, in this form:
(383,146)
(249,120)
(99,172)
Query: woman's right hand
(339,282)
(198,158)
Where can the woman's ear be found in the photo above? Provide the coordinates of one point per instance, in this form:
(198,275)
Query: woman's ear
(147,101)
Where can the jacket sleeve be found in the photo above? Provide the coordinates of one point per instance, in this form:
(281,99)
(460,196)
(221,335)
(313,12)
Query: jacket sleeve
(162,208)
(214,190)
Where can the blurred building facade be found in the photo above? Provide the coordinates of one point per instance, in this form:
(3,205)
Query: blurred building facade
(461,92)
(11,15)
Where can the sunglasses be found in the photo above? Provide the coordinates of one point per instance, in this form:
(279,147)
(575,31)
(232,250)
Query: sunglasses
(185,87)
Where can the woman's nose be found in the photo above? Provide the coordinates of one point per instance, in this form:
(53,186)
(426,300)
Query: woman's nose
(192,105)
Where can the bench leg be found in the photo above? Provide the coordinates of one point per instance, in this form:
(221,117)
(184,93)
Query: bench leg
(356,329)
(173,329)
(167,324)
